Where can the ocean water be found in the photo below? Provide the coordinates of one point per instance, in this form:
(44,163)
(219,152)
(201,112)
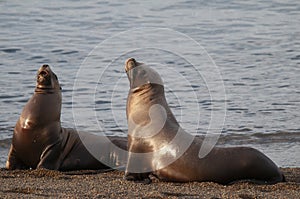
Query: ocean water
(232,65)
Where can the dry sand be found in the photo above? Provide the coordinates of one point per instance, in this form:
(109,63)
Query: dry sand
(93,184)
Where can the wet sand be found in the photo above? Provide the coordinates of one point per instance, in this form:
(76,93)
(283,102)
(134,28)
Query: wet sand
(93,184)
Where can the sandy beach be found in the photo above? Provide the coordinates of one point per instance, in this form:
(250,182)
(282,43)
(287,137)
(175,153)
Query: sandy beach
(94,184)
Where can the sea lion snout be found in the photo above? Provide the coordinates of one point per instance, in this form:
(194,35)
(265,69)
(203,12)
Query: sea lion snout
(130,64)
(43,73)
(45,66)
(44,70)
(43,76)
(46,79)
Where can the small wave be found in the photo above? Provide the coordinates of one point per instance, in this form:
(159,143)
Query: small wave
(258,138)
(271,110)
(282,104)
(241,129)
(57,51)
(10,50)
(251,66)
(262,54)
(10,96)
(286,134)
(62,61)
(63,52)
(284,86)
(249,78)
(69,52)
(296,57)
(102,102)
(14,72)
(35,57)
(237,109)
(239,84)
(102,109)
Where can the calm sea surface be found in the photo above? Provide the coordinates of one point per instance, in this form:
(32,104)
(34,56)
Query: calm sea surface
(254,46)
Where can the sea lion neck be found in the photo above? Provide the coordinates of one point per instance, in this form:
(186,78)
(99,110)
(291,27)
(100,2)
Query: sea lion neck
(146,94)
(149,89)
(45,91)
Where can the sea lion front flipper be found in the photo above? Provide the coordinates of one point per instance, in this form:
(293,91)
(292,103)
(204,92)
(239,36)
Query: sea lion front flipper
(13,162)
(50,156)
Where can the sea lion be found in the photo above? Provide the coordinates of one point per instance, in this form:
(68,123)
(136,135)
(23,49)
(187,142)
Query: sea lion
(39,141)
(158,145)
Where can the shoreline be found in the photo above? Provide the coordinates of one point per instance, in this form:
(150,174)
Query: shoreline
(43,183)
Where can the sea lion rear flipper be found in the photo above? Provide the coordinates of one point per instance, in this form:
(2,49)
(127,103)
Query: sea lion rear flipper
(138,177)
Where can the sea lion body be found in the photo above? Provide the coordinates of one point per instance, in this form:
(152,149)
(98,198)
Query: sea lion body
(170,153)
(39,141)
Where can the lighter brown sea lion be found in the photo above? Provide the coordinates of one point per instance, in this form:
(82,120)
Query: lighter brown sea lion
(158,145)
(39,141)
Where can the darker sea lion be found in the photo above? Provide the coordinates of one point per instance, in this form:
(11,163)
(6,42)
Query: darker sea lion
(158,145)
(39,141)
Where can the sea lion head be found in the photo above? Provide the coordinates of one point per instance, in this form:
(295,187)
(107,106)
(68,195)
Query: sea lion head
(139,74)
(46,80)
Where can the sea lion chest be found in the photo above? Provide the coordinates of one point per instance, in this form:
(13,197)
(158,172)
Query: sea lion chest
(37,127)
